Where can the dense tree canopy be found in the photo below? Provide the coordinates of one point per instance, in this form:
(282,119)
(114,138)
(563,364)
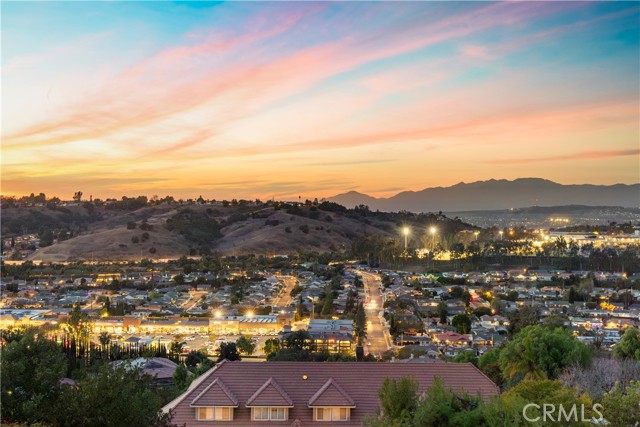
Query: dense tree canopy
(245,346)
(31,368)
(114,398)
(629,345)
(539,352)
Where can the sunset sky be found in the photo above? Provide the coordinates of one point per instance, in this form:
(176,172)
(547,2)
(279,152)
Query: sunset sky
(246,100)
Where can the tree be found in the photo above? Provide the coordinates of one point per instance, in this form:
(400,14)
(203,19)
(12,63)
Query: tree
(46,237)
(327,304)
(228,351)
(442,407)
(245,345)
(467,356)
(549,392)
(466,297)
(538,352)
(398,401)
(77,196)
(271,345)
(360,323)
(299,310)
(443,312)
(78,324)
(525,316)
(462,323)
(104,339)
(12,287)
(489,364)
(181,377)
(597,378)
(31,368)
(176,348)
(194,358)
(120,397)
(629,345)
(622,406)
(298,340)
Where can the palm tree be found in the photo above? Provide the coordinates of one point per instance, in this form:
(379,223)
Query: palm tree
(176,348)
(104,338)
(518,359)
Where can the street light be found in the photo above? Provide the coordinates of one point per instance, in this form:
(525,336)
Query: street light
(501,233)
(218,314)
(405,231)
(433,232)
(477,233)
(249,314)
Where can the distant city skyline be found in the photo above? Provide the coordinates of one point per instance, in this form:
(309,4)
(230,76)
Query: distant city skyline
(262,100)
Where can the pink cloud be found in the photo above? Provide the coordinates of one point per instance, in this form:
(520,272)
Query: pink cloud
(476,51)
(584,155)
(174,82)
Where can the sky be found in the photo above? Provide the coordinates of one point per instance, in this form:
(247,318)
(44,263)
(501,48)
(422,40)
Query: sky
(286,99)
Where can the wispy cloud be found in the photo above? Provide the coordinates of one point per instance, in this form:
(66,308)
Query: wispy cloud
(585,155)
(324,89)
(352,162)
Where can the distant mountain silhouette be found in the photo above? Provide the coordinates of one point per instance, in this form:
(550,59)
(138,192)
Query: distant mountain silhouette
(498,194)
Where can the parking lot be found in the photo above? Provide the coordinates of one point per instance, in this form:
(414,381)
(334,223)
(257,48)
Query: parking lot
(202,342)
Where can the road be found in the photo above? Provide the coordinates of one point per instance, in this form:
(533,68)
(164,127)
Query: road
(284,297)
(377,333)
(194,300)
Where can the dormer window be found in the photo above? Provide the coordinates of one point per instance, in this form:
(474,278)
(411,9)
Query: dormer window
(266,413)
(331,414)
(270,403)
(331,403)
(214,413)
(215,403)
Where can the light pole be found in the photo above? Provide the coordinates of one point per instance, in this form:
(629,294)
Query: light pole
(433,232)
(501,233)
(476,233)
(405,231)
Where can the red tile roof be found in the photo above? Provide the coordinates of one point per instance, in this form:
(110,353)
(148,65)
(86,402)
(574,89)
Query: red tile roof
(270,394)
(302,381)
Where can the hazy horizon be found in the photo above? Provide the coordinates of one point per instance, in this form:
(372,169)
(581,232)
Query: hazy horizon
(280,100)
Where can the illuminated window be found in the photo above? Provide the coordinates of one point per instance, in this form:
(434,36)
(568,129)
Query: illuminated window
(214,414)
(332,414)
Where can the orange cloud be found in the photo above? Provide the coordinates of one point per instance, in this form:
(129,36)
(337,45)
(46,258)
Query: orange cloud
(585,155)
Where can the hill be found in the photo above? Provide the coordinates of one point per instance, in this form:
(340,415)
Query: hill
(170,230)
(498,194)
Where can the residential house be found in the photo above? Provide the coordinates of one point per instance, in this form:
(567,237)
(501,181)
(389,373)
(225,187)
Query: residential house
(308,393)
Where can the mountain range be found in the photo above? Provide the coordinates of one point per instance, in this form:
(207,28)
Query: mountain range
(497,194)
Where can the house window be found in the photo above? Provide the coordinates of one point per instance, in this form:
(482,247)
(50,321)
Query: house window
(279,414)
(332,414)
(265,413)
(214,414)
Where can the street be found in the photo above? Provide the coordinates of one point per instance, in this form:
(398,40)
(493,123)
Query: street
(284,297)
(377,333)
